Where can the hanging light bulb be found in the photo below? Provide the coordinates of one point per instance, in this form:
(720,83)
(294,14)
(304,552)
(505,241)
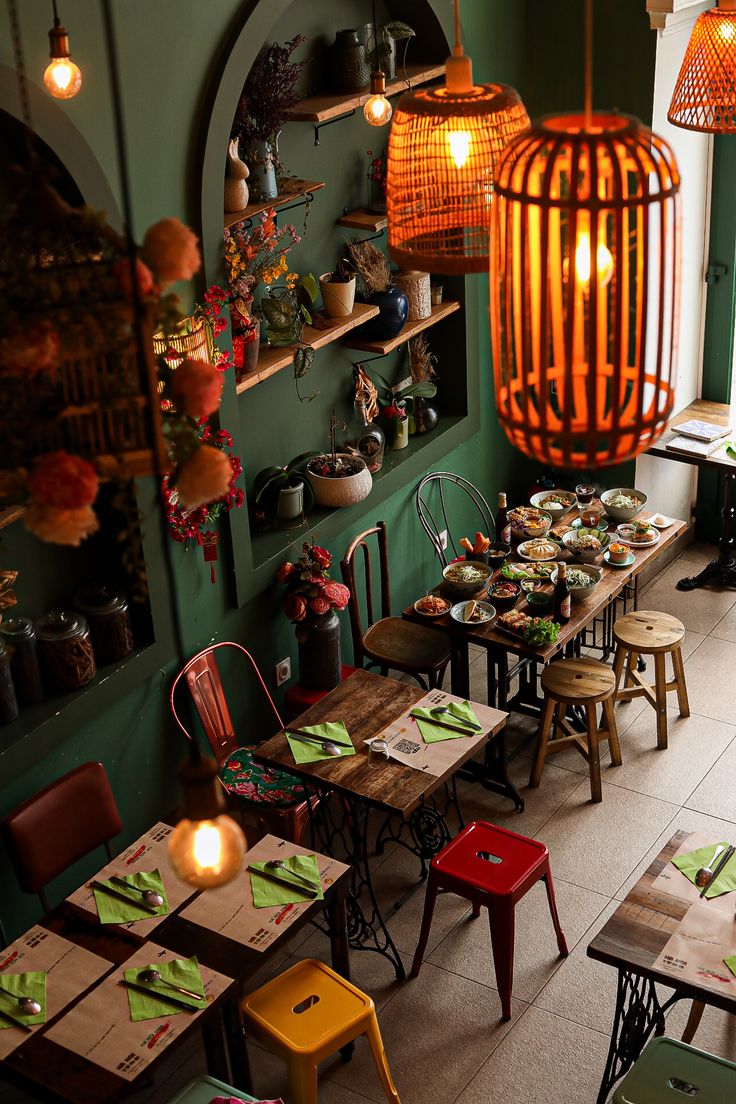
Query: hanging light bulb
(442,155)
(585,286)
(207,847)
(377,110)
(62,77)
(704,97)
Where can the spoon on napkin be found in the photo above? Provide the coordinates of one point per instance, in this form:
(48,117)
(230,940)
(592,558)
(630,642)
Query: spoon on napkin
(28,1006)
(277,864)
(149,976)
(155,900)
(704,876)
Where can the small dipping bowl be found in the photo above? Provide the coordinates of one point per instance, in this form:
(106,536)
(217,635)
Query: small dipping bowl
(539,600)
(504,601)
(497,553)
(618,553)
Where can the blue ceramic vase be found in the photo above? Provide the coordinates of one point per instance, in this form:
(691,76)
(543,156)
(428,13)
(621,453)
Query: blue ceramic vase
(393,307)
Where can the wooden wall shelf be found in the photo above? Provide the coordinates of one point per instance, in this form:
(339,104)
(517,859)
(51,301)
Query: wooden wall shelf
(272,358)
(297,190)
(9,514)
(409,330)
(321,109)
(364,220)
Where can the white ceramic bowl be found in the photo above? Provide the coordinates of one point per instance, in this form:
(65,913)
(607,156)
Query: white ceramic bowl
(623,513)
(345,490)
(528,531)
(586,556)
(578,594)
(556,509)
(462,589)
(525,548)
(457,613)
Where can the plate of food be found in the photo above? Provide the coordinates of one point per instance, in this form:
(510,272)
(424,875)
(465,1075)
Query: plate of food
(466,577)
(472,613)
(639,533)
(503,593)
(539,548)
(659,521)
(557,503)
(528,521)
(516,571)
(432,605)
(537,631)
(623,503)
(581,579)
(586,544)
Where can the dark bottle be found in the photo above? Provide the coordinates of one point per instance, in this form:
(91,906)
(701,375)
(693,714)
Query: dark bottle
(503,525)
(8,701)
(19,636)
(563,601)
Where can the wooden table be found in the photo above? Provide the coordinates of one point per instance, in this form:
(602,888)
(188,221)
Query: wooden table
(50,1072)
(723,568)
(367,704)
(631,941)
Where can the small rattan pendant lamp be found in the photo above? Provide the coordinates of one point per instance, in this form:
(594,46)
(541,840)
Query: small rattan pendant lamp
(442,154)
(705,94)
(585,286)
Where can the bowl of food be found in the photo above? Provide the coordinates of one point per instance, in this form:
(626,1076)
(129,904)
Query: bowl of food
(503,593)
(581,579)
(497,553)
(557,503)
(618,553)
(466,577)
(540,548)
(539,600)
(472,613)
(586,544)
(623,503)
(528,521)
(432,605)
(638,532)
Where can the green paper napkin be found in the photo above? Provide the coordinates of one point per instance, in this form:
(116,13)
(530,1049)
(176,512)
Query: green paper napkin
(266,894)
(180,971)
(113,911)
(311,753)
(691,863)
(433,734)
(731,963)
(30,984)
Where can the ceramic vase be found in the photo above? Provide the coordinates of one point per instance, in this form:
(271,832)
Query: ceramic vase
(236,174)
(351,71)
(338,297)
(425,415)
(344,490)
(262,170)
(320,661)
(393,311)
(291,503)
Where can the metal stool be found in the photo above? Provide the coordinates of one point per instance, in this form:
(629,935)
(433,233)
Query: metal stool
(584,682)
(671,1072)
(298,699)
(646,632)
(493,868)
(307,1014)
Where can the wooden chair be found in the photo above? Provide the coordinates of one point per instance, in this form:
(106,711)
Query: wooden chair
(584,682)
(646,632)
(389,643)
(277,799)
(59,825)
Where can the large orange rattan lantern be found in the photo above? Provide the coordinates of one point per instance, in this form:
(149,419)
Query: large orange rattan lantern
(705,94)
(585,289)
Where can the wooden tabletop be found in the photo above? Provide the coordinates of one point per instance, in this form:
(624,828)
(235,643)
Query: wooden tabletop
(367,704)
(634,936)
(706,411)
(612,583)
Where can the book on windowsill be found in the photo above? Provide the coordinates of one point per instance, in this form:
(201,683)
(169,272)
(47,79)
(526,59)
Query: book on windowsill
(703,431)
(692,447)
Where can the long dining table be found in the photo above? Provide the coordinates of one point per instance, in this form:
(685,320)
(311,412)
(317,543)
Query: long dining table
(88,1051)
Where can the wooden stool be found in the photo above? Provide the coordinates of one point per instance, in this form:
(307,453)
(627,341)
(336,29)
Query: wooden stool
(298,699)
(584,682)
(307,1014)
(645,632)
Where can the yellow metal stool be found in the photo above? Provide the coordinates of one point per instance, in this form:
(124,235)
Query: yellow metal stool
(306,1015)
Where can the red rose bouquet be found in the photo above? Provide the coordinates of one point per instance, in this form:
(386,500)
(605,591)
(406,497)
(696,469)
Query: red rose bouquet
(310,590)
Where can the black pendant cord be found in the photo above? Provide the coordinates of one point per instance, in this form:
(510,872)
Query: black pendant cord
(20,69)
(57,21)
(375,40)
(122,156)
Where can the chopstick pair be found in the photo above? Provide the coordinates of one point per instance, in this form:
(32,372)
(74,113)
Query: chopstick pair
(727,855)
(444,724)
(311,895)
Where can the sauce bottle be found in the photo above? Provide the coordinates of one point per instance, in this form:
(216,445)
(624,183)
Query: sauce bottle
(562,599)
(503,525)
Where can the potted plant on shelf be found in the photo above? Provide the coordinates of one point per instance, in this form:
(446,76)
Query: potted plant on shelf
(373,269)
(381,45)
(283,494)
(270,90)
(377,170)
(338,290)
(337,478)
(399,406)
(285,308)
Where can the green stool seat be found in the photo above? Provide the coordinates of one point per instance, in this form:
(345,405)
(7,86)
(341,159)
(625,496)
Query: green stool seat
(671,1072)
(203,1089)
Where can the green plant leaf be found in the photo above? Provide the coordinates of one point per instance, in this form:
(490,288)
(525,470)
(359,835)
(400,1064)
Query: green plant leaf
(422,390)
(397,30)
(310,285)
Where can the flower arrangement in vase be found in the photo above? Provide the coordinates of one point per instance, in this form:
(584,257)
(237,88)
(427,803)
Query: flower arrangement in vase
(374,271)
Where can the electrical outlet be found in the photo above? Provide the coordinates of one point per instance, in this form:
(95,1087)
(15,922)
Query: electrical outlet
(443,539)
(282,671)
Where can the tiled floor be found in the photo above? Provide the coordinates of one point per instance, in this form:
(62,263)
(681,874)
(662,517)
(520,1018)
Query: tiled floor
(442,1033)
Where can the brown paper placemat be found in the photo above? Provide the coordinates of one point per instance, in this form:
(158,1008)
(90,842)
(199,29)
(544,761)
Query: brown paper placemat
(695,952)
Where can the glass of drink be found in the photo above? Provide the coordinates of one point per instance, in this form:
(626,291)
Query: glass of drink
(585,493)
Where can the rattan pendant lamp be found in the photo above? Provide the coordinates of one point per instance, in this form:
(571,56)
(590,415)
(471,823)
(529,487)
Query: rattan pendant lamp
(442,154)
(705,94)
(585,286)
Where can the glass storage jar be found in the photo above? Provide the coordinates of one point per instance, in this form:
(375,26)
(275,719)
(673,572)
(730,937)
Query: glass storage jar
(109,622)
(19,637)
(8,700)
(65,650)
(366,438)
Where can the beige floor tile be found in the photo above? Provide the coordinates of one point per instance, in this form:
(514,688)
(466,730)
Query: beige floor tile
(596,846)
(544,1059)
(466,950)
(699,610)
(709,673)
(437,1030)
(270,1079)
(716,1033)
(684,820)
(726,627)
(716,794)
(694,745)
(700,552)
(539,804)
(583,990)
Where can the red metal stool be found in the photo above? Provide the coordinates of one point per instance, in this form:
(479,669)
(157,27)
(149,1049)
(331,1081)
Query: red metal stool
(492,868)
(299,698)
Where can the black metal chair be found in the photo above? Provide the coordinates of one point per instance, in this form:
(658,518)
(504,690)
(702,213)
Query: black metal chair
(432,501)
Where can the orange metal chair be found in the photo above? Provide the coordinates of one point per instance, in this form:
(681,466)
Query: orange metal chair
(59,825)
(277,799)
(307,1014)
